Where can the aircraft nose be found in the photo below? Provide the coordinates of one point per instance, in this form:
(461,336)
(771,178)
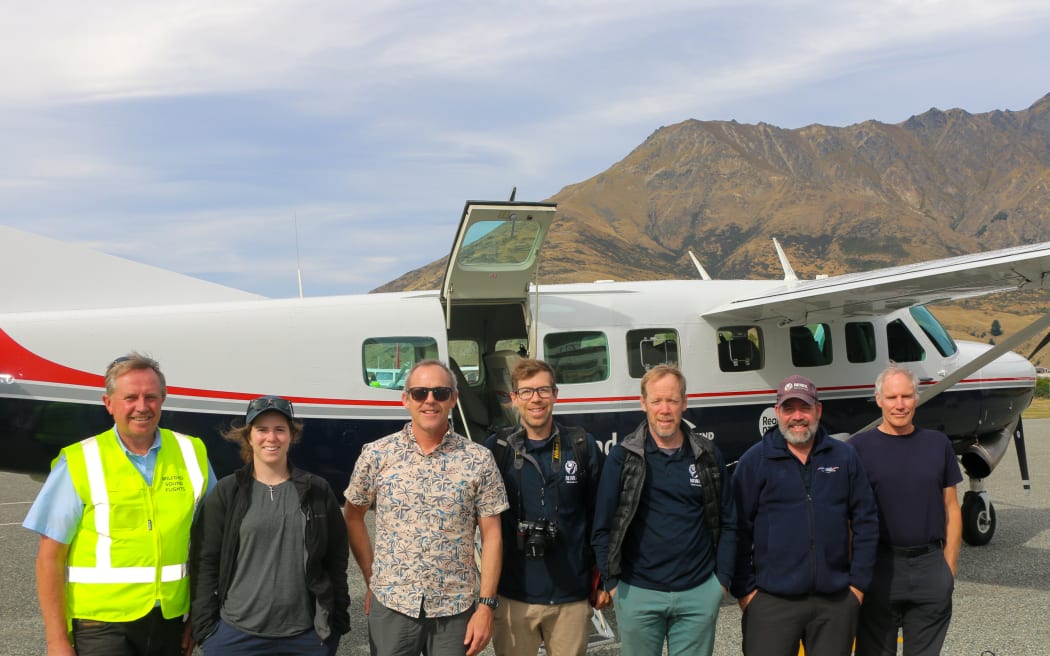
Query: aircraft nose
(1009,365)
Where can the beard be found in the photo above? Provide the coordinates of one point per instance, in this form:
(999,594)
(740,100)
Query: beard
(797,433)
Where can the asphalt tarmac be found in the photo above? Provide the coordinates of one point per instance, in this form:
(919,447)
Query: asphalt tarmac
(1001,597)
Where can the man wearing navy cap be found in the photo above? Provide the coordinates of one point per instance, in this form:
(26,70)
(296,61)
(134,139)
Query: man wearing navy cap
(807,531)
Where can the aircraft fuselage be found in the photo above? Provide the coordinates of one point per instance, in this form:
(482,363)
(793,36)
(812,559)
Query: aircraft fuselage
(324,353)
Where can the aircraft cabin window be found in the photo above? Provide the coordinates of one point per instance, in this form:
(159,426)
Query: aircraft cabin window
(811,345)
(520,345)
(649,347)
(577,357)
(740,348)
(386,360)
(934,330)
(903,345)
(467,355)
(860,341)
(512,243)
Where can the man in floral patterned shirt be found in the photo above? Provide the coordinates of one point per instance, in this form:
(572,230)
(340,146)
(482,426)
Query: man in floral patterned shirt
(430,488)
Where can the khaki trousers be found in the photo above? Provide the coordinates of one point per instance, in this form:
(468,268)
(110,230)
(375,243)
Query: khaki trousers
(520,628)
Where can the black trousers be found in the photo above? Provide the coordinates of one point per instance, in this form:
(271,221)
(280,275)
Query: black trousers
(150,635)
(909,592)
(825,624)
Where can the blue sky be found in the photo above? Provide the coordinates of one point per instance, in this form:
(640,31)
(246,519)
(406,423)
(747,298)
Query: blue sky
(194,136)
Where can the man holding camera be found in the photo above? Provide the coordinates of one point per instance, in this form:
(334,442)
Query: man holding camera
(665,527)
(551,475)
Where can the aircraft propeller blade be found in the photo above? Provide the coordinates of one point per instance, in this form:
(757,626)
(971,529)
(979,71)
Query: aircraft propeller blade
(1022,455)
(1039,346)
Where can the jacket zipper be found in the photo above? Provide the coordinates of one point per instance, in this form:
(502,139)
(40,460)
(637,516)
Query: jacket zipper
(812,522)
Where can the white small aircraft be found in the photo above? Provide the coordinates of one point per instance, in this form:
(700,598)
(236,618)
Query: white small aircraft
(66,312)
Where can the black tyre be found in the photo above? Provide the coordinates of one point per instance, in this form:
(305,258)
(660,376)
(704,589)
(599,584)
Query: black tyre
(978,525)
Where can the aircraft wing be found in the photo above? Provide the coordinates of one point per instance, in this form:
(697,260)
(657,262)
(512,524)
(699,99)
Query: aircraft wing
(40,274)
(884,290)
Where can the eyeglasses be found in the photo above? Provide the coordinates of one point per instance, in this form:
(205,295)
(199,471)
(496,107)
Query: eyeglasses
(257,406)
(420,394)
(545,392)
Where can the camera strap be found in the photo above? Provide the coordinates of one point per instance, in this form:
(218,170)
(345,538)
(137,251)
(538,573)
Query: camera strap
(520,456)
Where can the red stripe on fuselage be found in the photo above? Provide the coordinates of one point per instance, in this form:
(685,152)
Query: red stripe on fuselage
(23,364)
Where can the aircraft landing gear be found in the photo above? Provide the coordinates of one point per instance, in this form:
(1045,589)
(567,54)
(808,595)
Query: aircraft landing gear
(978,518)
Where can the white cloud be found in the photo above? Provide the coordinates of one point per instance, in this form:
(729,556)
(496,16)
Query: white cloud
(192,134)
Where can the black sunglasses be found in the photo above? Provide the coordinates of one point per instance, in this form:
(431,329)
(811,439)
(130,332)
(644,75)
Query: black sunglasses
(265,403)
(420,394)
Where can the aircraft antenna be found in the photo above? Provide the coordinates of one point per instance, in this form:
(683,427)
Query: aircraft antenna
(699,267)
(298,263)
(513,193)
(789,272)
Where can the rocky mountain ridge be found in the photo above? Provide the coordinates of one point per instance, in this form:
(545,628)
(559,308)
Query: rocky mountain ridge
(839,199)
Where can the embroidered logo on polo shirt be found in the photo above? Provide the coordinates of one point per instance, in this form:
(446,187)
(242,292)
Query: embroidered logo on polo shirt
(694,480)
(827,469)
(570,471)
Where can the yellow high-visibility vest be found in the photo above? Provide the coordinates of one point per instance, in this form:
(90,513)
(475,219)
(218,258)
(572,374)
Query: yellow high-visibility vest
(131,549)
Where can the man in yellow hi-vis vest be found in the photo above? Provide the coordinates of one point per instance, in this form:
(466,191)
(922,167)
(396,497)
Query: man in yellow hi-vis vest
(114,520)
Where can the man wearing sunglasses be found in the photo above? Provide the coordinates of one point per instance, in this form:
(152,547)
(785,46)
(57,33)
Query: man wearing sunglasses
(430,489)
(114,520)
(551,473)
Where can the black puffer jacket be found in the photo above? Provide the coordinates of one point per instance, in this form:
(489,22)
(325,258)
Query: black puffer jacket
(632,481)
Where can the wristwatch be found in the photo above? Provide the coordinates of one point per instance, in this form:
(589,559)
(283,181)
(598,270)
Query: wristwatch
(491,602)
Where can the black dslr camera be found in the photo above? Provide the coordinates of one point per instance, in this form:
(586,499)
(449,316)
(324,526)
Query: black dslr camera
(535,537)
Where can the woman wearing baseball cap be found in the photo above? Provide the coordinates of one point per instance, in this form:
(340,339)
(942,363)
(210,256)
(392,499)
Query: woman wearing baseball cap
(269,553)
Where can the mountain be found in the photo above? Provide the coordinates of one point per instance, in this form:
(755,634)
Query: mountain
(839,199)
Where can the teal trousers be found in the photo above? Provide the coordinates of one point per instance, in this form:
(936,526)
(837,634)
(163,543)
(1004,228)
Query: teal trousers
(684,619)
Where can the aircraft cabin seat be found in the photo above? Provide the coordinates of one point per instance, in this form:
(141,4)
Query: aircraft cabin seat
(804,350)
(475,414)
(738,354)
(858,347)
(498,365)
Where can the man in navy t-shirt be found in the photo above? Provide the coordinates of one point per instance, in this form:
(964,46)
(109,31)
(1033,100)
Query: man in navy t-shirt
(913,472)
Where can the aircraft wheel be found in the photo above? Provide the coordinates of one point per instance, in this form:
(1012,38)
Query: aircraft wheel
(978,524)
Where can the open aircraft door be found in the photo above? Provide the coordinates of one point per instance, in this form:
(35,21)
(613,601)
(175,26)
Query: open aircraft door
(495,256)
(485,297)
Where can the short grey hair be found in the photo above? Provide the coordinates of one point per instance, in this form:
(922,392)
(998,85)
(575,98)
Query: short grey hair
(133,361)
(895,370)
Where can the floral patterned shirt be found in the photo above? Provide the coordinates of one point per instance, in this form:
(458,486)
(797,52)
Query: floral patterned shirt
(426,508)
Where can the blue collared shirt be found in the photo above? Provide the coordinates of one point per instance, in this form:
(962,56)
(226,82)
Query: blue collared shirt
(57,510)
